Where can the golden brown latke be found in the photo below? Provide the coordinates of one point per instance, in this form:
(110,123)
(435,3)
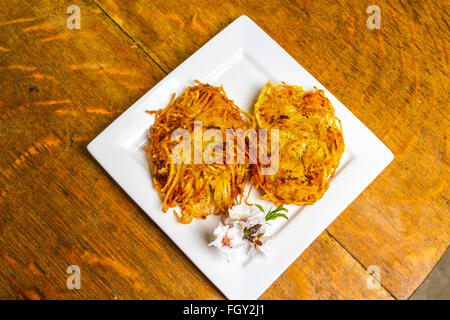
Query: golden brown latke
(310,143)
(198,189)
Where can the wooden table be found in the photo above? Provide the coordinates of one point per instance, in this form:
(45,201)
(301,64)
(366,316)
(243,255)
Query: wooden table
(59,88)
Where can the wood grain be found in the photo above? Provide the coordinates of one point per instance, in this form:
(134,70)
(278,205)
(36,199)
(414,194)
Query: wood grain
(394,79)
(319,274)
(59,88)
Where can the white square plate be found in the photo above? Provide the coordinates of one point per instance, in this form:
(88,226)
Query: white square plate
(243,58)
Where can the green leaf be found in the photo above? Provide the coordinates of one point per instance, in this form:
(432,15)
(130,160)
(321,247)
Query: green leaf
(279,208)
(259,207)
(274,214)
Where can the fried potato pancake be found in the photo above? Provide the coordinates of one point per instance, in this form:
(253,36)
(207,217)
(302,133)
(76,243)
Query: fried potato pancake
(311,143)
(198,189)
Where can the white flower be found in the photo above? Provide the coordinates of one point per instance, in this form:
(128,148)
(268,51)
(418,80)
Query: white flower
(246,216)
(261,246)
(243,234)
(228,240)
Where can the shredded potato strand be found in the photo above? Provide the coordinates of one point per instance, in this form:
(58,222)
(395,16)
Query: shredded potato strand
(311,143)
(198,189)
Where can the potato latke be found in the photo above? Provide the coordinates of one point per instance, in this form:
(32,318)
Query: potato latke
(311,143)
(198,189)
